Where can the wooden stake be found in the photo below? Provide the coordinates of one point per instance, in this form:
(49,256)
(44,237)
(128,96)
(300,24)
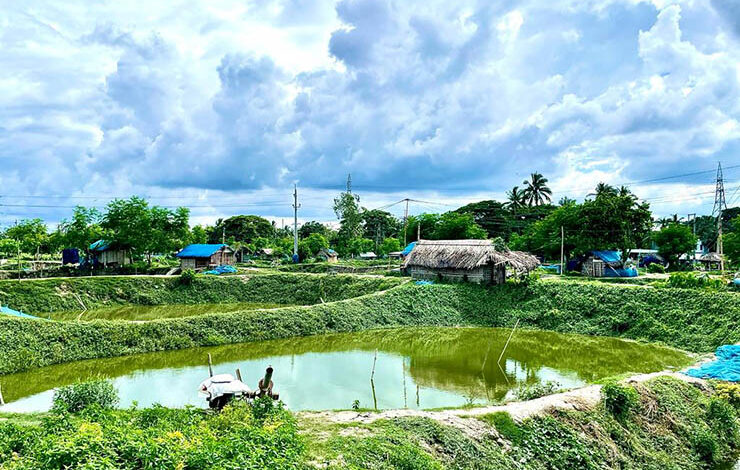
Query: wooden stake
(405,402)
(417,395)
(375,359)
(210,365)
(239,375)
(507,341)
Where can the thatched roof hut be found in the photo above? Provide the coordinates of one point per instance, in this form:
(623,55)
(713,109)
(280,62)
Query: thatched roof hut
(467,260)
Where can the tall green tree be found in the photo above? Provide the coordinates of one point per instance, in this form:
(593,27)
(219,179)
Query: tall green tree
(242,228)
(454,226)
(82,229)
(378,225)
(674,241)
(31,234)
(426,224)
(311,245)
(347,209)
(536,191)
(516,199)
(309,228)
(497,219)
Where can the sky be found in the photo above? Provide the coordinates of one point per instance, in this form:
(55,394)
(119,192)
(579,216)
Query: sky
(223,105)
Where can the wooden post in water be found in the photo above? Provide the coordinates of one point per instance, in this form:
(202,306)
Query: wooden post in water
(239,375)
(210,365)
(405,401)
(417,395)
(507,341)
(375,359)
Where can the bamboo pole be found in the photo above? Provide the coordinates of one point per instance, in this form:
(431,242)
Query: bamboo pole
(375,359)
(239,375)
(507,341)
(210,365)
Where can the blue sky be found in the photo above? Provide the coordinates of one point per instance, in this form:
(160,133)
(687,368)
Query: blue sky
(222,105)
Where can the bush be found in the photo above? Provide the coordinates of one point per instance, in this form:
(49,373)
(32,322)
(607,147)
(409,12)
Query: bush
(187,277)
(505,425)
(730,392)
(692,280)
(655,268)
(619,400)
(530,392)
(77,397)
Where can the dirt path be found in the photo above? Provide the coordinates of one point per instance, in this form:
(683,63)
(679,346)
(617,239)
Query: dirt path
(578,399)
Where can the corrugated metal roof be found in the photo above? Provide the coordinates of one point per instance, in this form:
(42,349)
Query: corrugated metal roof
(197,250)
(100,245)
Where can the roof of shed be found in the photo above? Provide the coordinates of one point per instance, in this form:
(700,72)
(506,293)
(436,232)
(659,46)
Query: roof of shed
(197,250)
(466,254)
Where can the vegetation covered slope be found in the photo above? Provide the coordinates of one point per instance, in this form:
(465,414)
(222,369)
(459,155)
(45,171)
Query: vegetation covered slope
(53,295)
(689,319)
(664,424)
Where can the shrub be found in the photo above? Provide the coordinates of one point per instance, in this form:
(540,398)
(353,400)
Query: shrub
(730,392)
(530,392)
(505,425)
(705,445)
(77,397)
(655,268)
(187,277)
(692,280)
(619,400)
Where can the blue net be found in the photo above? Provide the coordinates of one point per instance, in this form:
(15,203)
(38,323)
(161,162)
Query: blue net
(223,269)
(726,367)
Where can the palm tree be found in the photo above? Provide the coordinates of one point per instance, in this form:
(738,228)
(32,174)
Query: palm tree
(603,189)
(516,199)
(536,191)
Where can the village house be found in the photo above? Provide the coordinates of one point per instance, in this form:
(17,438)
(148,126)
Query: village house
(465,261)
(201,256)
(109,254)
(328,255)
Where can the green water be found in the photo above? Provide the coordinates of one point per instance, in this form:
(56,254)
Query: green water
(415,368)
(154,312)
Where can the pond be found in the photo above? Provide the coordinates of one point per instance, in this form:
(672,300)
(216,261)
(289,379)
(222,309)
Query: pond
(155,312)
(415,368)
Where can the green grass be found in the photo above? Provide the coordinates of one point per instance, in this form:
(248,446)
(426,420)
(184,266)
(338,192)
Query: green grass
(157,312)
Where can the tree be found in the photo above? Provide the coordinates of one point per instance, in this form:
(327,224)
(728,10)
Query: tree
(673,241)
(454,226)
(536,191)
(169,230)
(311,245)
(425,224)
(603,189)
(347,209)
(198,234)
(731,243)
(82,229)
(378,224)
(242,228)
(360,245)
(494,217)
(516,199)
(305,230)
(30,234)
(9,247)
(129,224)
(389,245)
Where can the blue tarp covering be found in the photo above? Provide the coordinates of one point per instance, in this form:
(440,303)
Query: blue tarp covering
(223,269)
(100,245)
(70,256)
(608,256)
(551,267)
(14,313)
(726,367)
(408,249)
(424,283)
(197,250)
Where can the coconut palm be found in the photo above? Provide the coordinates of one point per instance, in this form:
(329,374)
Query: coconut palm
(536,191)
(516,199)
(603,189)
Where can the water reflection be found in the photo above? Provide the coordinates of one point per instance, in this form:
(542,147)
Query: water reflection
(448,366)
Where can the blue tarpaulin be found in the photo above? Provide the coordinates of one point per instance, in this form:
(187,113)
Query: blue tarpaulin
(223,269)
(726,367)
(14,313)
(70,256)
(408,249)
(424,283)
(608,256)
(551,267)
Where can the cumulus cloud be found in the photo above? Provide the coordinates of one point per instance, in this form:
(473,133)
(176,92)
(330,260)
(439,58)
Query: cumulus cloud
(463,96)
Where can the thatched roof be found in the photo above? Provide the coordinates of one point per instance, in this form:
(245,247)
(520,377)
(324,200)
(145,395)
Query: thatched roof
(466,254)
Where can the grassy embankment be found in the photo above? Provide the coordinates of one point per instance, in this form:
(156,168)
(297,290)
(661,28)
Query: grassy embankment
(689,319)
(663,424)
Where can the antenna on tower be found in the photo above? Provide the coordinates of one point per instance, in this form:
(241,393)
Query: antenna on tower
(720,204)
(349,183)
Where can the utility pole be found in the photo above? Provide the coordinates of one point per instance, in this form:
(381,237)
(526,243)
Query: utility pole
(405,221)
(223,235)
(720,204)
(295,222)
(418,232)
(692,218)
(562,250)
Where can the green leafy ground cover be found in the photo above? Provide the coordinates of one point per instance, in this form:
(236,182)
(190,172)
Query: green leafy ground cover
(54,295)
(672,425)
(694,320)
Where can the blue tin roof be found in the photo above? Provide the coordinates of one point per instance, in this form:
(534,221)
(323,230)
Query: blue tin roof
(197,250)
(408,249)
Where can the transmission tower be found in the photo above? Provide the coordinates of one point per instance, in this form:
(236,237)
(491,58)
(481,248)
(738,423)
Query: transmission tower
(720,204)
